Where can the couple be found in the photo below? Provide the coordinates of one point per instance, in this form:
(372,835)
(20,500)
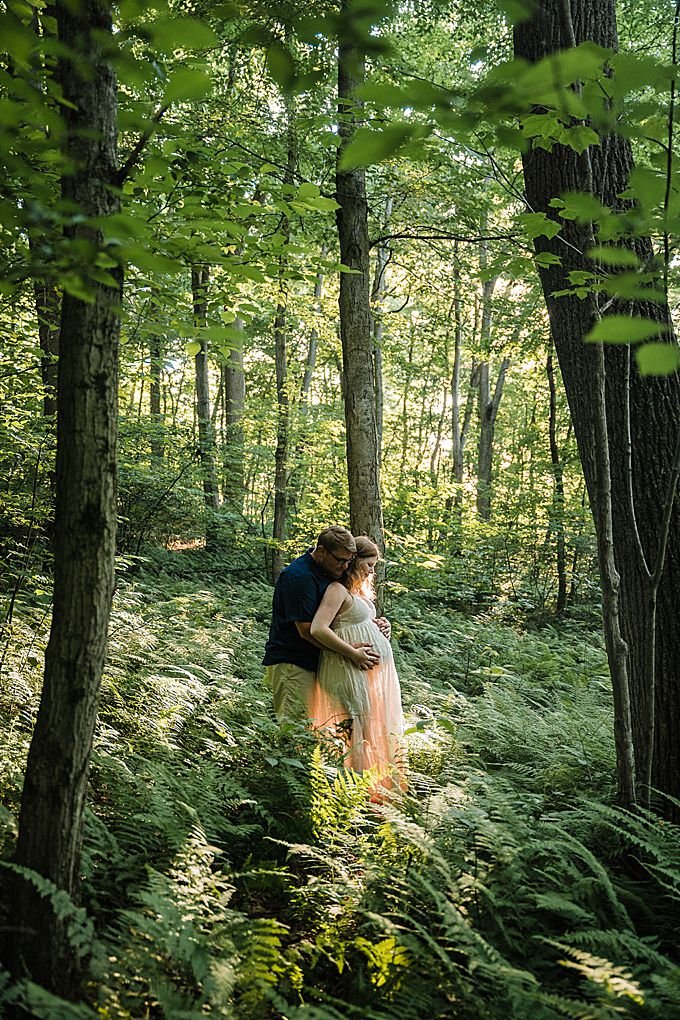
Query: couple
(329,659)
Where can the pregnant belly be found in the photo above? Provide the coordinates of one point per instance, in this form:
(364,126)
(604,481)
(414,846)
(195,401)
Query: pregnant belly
(370,633)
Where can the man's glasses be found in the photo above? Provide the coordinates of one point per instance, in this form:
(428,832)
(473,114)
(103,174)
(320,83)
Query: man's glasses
(345,561)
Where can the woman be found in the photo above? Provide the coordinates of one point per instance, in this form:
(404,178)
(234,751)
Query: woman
(362,706)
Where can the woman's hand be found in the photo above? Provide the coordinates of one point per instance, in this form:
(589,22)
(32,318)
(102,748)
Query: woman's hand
(365,656)
(384,626)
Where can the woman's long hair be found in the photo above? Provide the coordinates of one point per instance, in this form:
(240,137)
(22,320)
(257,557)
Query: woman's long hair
(354,580)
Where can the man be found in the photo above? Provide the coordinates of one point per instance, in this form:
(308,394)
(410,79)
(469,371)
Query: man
(291,654)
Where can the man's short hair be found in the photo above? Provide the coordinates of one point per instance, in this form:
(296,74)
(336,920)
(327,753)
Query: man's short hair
(337,537)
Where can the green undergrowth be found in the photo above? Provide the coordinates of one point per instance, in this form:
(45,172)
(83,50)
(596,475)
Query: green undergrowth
(232,869)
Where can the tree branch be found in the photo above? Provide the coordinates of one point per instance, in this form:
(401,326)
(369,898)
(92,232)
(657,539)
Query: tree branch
(443,237)
(124,172)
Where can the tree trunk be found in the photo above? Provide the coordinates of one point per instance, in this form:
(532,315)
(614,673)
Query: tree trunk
(157,424)
(558,496)
(459,429)
(234,388)
(488,405)
(405,418)
(377,298)
(356,332)
(488,412)
(313,346)
(200,276)
(648,409)
(53,801)
(48,305)
(281,457)
(297,474)
(282,441)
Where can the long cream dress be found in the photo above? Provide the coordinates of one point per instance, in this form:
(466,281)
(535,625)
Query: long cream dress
(363,707)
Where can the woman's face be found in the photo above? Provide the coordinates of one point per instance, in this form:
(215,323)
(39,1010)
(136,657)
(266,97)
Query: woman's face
(367,565)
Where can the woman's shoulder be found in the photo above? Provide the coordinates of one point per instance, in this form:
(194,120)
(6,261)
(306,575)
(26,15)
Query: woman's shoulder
(337,592)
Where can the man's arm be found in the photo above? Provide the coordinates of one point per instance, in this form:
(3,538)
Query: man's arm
(304,630)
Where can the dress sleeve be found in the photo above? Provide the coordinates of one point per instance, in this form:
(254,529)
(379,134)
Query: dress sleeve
(300,599)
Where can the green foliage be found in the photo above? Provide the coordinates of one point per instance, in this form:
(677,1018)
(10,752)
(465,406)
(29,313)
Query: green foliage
(234,869)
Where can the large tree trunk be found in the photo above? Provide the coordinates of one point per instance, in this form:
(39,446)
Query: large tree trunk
(200,276)
(50,826)
(365,509)
(654,403)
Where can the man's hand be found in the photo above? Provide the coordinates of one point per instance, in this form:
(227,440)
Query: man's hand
(384,626)
(366,656)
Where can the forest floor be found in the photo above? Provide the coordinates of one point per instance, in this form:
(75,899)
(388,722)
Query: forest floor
(232,870)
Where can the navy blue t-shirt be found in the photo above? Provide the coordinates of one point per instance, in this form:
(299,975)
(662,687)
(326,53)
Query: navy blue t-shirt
(297,596)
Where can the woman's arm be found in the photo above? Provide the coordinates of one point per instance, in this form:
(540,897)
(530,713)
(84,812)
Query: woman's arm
(336,597)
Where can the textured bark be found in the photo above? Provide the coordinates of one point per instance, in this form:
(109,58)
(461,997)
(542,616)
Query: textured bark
(200,276)
(53,801)
(356,332)
(653,403)
(558,496)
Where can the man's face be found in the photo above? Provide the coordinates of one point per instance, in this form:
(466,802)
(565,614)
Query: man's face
(336,563)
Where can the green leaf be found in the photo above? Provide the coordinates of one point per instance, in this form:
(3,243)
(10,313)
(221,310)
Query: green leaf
(322,203)
(248,272)
(635,71)
(186,84)
(515,11)
(634,287)
(281,66)
(308,190)
(219,334)
(383,94)
(623,329)
(152,262)
(539,225)
(647,186)
(583,207)
(369,146)
(548,258)
(580,137)
(611,255)
(170,34)
(657,359)
(193,348)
